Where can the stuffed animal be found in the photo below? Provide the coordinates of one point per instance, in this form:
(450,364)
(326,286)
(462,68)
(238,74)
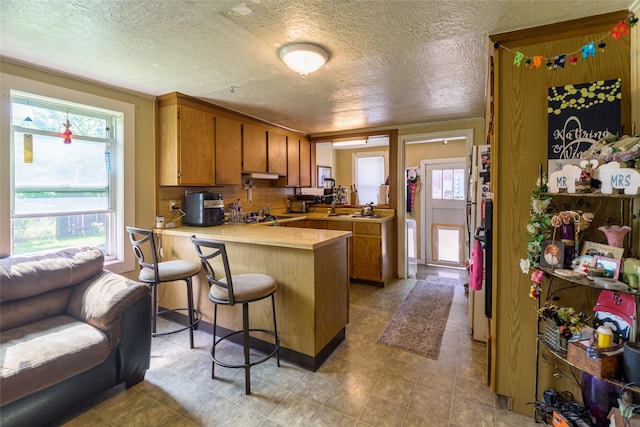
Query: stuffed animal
(631,272)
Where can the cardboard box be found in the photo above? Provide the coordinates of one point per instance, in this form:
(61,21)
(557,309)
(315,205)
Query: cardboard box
(603,367)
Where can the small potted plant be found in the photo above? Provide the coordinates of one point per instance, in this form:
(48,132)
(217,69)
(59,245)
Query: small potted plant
(561,324)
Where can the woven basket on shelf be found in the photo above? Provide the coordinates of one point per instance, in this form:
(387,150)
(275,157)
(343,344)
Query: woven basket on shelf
(553,338)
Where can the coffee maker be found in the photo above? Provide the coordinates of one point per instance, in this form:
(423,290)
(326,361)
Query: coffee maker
(329,190)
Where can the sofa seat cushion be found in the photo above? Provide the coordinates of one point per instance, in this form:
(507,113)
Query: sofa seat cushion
(38,355)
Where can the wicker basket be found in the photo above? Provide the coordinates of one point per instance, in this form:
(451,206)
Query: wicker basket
(553,338)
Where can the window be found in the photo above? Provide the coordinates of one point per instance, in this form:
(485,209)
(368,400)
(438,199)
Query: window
(370,173)
(447,184)
(59,194)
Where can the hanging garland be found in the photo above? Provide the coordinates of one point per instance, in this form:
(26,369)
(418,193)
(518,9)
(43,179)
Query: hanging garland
(558,61)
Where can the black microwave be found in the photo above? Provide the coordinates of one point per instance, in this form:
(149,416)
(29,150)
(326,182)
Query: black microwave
(203,209)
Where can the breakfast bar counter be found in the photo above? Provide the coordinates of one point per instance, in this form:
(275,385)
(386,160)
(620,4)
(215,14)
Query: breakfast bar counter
(312,270)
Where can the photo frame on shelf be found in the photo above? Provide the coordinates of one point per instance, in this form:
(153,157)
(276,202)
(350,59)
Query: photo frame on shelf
(611,266)
(323,172)
(552,254)
(600,249)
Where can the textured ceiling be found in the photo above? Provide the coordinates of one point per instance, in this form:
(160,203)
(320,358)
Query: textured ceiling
(392,62)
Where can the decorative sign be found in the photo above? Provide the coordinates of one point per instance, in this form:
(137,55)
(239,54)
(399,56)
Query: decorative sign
(579,116)
(613,177)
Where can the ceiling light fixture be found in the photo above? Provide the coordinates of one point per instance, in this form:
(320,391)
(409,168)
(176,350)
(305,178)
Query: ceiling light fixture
(349,143)
(303,58)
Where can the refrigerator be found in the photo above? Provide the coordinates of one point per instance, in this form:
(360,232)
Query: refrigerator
(480,224)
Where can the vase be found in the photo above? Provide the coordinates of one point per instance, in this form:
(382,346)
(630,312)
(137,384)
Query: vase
(599,396)
(568,236)
(615,234)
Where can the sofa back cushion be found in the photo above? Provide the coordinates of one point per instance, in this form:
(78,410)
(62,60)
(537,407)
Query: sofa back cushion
(26,276)
(37,287)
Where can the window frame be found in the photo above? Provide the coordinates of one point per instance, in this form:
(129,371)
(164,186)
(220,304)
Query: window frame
(363,154)
(123,162)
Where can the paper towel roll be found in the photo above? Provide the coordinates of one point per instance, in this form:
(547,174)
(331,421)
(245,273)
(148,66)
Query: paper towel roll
(383,195)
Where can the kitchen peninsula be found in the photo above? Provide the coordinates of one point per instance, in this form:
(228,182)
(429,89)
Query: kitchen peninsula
(312,270)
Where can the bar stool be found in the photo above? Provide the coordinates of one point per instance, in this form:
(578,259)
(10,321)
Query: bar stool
(237,289)
(153,273)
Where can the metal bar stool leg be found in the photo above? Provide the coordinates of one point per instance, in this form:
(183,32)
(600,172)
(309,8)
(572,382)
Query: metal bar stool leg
(213,349)
(154,307)
(190,308)
(275,328)
(247,360)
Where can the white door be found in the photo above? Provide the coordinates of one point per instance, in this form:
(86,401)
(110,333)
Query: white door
(445,217)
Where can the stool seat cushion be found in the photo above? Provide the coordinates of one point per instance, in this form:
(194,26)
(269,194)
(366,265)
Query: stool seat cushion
(247,287)
(170,270)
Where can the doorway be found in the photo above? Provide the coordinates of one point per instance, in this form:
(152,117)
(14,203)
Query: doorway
(443,216)
(446,145)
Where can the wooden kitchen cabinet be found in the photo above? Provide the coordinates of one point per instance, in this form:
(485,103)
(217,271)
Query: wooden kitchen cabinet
(305,163)
(293,161)
(370,248)
(228,151)
(372,252)
(367,247)
(276,153)
(344,226)
(185,145)
(254,148)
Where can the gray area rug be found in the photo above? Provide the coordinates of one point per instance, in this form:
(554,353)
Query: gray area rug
(419,323)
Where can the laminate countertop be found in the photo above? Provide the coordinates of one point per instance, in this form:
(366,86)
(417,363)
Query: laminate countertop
(263,234)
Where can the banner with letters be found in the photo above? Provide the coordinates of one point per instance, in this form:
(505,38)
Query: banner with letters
(580,115)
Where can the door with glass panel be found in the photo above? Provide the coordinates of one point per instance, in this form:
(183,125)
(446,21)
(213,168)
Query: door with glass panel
(444,213)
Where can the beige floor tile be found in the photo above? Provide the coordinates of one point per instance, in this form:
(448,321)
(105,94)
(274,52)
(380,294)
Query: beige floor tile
(468,413)
(294,411)
(434,404)
(316,388)
(381,412)
(407,369)
(326,417)
(239,416)
(264,398)
(134,408)
(88,418)
(363,383)
(473,390)
(422,418)
(394,389)
(348,399)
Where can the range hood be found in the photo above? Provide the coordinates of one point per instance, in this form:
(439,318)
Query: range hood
(260,175)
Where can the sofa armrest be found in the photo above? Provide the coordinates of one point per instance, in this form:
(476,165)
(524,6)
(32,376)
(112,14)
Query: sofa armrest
(101,301)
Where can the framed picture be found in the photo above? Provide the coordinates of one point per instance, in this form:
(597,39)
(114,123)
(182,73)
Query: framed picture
(552,255)
(611,266)
(323,172)
(593,249)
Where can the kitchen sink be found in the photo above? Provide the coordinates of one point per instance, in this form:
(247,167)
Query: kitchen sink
(337,214)
(365,216)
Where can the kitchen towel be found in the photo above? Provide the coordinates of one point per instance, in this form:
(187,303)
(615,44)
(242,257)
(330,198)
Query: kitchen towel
(477,266)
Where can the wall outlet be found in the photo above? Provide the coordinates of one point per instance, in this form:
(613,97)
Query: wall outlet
(173,205)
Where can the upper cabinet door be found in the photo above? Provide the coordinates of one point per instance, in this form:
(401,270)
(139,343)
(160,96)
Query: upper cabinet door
(197,153)
(293,161)
(228,151)
(277,153)
(185,146)
(254,148)
(305,163)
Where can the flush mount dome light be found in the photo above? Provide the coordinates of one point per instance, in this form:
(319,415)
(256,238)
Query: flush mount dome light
(303,58)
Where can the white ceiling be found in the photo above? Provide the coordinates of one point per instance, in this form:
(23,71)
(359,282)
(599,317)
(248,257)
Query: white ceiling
(392,62)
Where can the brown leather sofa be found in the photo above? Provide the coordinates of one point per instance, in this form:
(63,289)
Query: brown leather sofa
(69,330)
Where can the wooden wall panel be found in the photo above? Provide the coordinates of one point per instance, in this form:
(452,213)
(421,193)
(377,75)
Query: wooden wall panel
(520,147)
